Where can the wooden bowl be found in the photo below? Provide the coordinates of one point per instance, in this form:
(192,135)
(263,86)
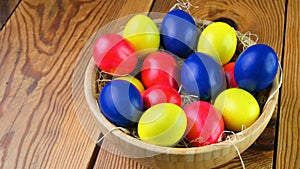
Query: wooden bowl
(177,158)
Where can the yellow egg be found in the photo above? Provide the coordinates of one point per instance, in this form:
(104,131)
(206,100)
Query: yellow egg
(238,107)
(219,41)
(162,124)
(138,84)
(143,33)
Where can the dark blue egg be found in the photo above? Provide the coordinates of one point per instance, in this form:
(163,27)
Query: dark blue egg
(121,103)
(256,68)
(202,76)
(179,33)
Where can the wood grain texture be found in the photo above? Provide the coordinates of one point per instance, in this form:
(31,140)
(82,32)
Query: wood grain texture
(6,9)
(38,124)
(288,148)
(110,158)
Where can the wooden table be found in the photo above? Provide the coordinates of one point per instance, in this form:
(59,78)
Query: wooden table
(40,41)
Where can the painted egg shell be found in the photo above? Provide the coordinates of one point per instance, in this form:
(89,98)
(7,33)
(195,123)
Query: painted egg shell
(202,76)
(121,103)
(256,68)
(179,34)
(162,124)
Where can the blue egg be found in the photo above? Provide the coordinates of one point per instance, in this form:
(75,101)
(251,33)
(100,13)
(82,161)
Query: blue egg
(179,34)
(202,76)
(256,68)
(121,103)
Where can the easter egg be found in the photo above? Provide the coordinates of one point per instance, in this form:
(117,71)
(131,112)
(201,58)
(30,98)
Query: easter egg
(143,34)
(256,68)
(219,41)
(205,124)
(162,124)
(121,103)
(179,33)
(136,82)
(161,94)
(202,76)
(113,54)
(238,107)
(229,72)
(160,68)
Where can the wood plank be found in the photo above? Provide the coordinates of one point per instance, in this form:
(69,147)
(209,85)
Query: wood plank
(110,158)
(288,148)
(39,128)
(40,45)
(6,9)
(45,87)
(248,16)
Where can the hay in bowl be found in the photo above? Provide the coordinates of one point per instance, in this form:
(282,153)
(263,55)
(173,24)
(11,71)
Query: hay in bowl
(180,157)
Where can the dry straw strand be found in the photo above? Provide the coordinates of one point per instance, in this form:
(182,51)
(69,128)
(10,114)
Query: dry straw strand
(111,130)
(278,87)
(183,5)
(237,150)
(231,137)
(247,39)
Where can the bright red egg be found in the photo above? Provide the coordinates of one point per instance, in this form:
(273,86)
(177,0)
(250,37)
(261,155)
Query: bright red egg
(160,68)
(161,94)
(229,72)
(113,54)
(205,123)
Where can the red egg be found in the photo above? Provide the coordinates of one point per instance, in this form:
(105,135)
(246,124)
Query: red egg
(229,72)
(161,94)
(160,68)
(113,54)
(205,123)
